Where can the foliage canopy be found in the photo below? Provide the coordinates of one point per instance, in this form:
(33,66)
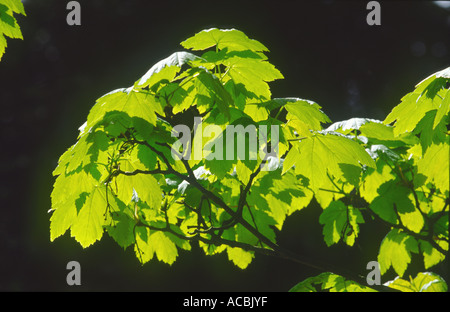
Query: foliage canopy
(121,178)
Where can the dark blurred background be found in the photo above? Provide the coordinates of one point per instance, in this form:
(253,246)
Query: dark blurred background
(49,81)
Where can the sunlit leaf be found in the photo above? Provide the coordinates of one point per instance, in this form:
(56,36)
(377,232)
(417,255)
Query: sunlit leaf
(231,39)
(395,251)
(8,24)
(423,282)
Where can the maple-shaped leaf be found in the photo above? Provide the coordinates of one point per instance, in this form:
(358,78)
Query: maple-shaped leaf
(8,23)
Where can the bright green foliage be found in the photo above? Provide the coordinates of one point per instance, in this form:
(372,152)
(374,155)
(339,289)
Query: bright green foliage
(8,24)
(340,221)
(329,282)
(396,250)
(129,174)
(423,282)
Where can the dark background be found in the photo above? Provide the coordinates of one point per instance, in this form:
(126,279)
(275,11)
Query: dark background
(50,80)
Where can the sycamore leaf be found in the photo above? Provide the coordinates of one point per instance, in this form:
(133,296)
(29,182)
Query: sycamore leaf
(429,282)
(427,134)
(431,256)
(443,109)
(69,191)
(101,183)
(164,247)
(260,110)
(79,202)
(166,69)
(145,185)
(379,150)
(8,24)
(351,124)
(324,156)
(374,178)
(133,103)
(291,158)
(379,133)
(209,85)
(339,222)
(329,282)
(423,282)
(396,200)
(395,251)
(240,257)
(278,196)
(15,5)
(253,73)
(148,243)
(88,226)
(86,151)
(426,97)
(143,248)
(232,39)
(435,165)
(122,229)
(304,115)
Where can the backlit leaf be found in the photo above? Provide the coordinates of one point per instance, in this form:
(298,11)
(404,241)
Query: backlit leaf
(232,39)
(324,156)
(395,251)
(435,165)
(8,24)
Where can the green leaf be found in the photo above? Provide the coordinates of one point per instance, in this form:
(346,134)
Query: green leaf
(149,243)
(68,193)
(240,95)
(291,158)
(232,39)
(74,198)
(131,102)
(85,152)
(381,134)
(395,251)
(324,156)
(431,256)
(423,282)
(278,196)
(429,282)
(145,185)
(443,109)
(304,115)
(8,24)
(347,126)
(428,135)
(104,183)
(339,222)
(15,5)
(252,73)
(329,282)
(209,85)
(147,157)
(374,178)
(143,248)
(166,69)
(426,97)
(435,165)
(164,247)
(393,199)
(240,257)
(122,229)
(87,228)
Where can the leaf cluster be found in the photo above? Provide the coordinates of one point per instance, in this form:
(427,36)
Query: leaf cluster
(128,176)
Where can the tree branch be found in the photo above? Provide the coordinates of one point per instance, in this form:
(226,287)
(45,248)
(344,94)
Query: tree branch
(273,249)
